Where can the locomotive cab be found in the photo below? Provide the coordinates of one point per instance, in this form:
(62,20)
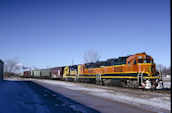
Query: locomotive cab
(141,63)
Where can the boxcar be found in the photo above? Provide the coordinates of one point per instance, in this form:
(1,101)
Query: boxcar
(57,73)
(1,69)
(21,74)
(27,74)
(32,73)
(37,73)
(45,73)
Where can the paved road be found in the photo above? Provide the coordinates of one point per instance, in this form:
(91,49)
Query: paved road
(97,103)
(28,97)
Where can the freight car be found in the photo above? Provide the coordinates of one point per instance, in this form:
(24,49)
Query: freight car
(32,73)
(1,69)
(27,74)
(37,74)
(138,70)
(56,72)
(45,73)
(21,74)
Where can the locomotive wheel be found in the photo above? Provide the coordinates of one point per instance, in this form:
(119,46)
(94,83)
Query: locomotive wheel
(135,84)
(76,80)
(132,83)
(66,79)
(106,82)
(129,83)
(99,82)
(123,83)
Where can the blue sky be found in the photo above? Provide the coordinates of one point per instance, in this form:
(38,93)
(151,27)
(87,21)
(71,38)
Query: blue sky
(45,33)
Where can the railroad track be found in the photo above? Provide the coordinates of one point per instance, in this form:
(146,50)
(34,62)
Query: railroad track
(162,91)
(112,87)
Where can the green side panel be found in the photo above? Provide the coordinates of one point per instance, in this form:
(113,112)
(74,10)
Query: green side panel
(37,73)
(45,72)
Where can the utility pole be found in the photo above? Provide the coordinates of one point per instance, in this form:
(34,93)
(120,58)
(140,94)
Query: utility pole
(48,66)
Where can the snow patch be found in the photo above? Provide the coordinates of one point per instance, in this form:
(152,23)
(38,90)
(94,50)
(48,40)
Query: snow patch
(167,84)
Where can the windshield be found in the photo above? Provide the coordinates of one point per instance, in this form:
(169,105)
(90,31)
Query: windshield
(145,61)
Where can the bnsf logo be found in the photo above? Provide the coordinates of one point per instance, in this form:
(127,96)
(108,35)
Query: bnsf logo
(117,69)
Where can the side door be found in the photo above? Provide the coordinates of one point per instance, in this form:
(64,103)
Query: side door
(129,66)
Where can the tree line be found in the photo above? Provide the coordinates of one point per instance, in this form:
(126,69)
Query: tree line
(166,71)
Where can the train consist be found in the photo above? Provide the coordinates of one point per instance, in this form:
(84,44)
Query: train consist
(136,71)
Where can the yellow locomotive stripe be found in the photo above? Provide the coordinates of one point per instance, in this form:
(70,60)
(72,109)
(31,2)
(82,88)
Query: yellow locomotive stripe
(152,77)
(112,77)
(118,77)
(87,77)
(111,73)
(116,73)
(144,64)
(69,76)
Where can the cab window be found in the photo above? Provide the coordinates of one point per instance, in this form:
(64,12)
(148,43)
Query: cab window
(134,61)
(129,63)
(140,61)
(149,61)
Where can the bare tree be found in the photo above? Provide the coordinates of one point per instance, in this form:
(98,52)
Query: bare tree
(35,68)
(9,65)
(12,66)
(165,70)
(159,67)
(91,56)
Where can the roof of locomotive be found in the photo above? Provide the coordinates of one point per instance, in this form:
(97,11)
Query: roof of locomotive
(108,62)
(142,55)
